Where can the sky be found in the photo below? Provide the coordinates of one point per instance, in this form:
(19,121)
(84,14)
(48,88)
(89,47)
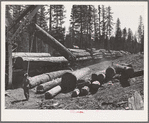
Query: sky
(127,12)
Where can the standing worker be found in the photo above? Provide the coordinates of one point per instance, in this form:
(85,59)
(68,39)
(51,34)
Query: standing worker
(26,86)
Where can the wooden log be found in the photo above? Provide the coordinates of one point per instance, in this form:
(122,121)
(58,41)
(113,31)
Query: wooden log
(124,64)
(98,57)
(48,85)
(76,92)
(84,91)
(81,54)
(121,69)
(124,81)
(27,54)
(138,73)
(47,38)
(95,85)
(69,79)
(99,76)
(98,53)
(53,92)
(77,50)
(22,62)
(83,82)
(110,72)
(84,58)
(36,80)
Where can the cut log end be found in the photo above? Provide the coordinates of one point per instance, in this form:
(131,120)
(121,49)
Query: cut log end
(75,93)
(39,89)
(95,85)
(129,72)
(69,82)
(94,77)
(101,77)
(110,72)
(84,91)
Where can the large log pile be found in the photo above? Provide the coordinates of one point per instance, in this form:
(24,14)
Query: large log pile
(75,81)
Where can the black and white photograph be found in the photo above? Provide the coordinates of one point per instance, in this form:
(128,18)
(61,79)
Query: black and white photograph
(74,60)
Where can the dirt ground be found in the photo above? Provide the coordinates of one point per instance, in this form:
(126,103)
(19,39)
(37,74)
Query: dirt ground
(112,96)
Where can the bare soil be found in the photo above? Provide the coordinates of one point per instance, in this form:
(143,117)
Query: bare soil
(112,96)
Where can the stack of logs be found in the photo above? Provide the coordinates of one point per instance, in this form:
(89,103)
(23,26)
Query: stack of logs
(66,81)
(123,72)
(37,60)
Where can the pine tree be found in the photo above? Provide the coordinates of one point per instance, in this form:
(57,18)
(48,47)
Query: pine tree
(129,40)
(141,33)
(95,22)
(103,24)
(118,36)
(109,25)
(99,23)
(58,31)
(124,36)
(80,18)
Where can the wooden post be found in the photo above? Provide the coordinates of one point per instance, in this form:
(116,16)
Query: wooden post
(9,65)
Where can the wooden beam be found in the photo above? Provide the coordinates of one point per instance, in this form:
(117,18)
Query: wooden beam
(9,65)
(47,38)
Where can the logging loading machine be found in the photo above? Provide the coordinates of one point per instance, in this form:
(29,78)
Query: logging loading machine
(34,29)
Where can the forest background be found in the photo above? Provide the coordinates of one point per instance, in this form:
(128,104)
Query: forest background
(90,26)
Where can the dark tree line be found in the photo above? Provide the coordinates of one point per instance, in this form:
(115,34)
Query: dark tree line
(89,27)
